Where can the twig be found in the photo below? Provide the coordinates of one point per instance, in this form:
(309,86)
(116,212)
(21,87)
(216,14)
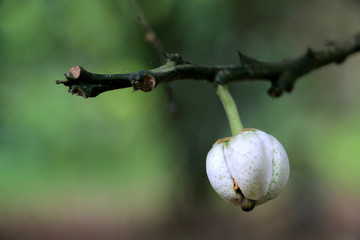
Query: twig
(282,75)
(150,35)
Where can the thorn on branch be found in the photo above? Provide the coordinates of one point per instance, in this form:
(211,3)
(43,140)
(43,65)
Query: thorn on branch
(310,54)
(176,58)
(246,60)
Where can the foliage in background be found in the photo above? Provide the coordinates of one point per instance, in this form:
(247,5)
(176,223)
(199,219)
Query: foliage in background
(121,154)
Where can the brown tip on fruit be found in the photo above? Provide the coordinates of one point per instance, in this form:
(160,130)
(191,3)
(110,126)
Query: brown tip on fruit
(222,140)
(247,129)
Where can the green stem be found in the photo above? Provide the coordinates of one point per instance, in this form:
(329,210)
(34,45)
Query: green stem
(230,109)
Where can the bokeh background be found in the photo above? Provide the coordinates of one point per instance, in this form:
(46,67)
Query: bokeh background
(118,166)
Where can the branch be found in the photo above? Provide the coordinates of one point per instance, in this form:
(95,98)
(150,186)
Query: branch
(282,75)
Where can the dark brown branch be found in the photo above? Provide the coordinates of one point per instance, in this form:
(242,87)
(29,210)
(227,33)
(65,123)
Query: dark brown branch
(282,75)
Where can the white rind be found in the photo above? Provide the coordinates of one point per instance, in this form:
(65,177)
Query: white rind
(280,171)
(248,156)
(255,160)
(218,174)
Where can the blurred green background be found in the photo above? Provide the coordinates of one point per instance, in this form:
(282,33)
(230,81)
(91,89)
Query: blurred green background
(119,167)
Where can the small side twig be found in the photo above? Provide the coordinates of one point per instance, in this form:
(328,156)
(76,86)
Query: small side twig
(151,37)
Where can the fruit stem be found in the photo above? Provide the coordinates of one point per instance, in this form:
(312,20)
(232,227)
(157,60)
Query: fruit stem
(230,109)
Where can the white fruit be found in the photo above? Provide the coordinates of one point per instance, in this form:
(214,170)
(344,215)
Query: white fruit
(248,169)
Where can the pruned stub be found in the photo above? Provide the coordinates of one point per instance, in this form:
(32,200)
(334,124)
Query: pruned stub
(147,84)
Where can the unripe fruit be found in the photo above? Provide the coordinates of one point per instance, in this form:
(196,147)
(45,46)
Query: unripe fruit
(248,169)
